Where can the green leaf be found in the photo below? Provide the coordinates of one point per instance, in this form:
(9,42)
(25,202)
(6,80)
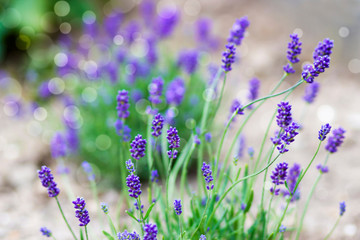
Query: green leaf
(249,202)
(131,215)
(271,236)
(108,235)
(149,211)
(81,234)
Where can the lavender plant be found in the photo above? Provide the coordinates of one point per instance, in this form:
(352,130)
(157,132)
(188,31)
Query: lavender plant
(221,203)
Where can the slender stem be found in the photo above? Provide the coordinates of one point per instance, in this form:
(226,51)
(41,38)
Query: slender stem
(268,212)
(236,183)
(265,176)
(142,224)
(62,213)
(184,170)
(167,191)
(333,228)
(180,227)
(203,215)
(149,147)
(86,233)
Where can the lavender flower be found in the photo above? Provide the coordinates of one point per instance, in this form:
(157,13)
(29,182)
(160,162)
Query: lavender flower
(203,26)
(279,174)
(323,48)
(147,9)
(177,207)
(208,137)
(155,90)
(282,229)
(283,118)
(123,104)
(112,23)
(335,140)
(173,138)
(197,140)
(138,147)
(175,91)
(128,236)
(81,213)
(157,125)
(154,176)
(188,60)
(228,57)
(123,130)
(342,208)
(137,206)
(104,207)
(290,133)
(150,231)
(311,92)
(325,129)
(322,168)
(207,173)
(58,146)
(241,147)
(311,71)
(254,85)
(237,32)
(134,185)
(251,151)
(166,22)
(130,166)
(294,173)
(89,171)
(47,180)
(152,55)
(294,49)
(46,232)
(202,237)
(289,69)
(236,106)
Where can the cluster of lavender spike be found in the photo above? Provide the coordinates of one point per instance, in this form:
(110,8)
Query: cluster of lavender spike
(47,180)
(81,213)
(294,50)
(138,147)
(174,142)
(207,173)
(278,176)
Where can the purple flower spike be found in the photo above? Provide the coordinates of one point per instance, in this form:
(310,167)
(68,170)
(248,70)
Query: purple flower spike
(138,147)
(289,69)
(155,90)
(46,232)
(166,22)
(202,237)
(323,48)
(236,106)
(188,60)
(335,140)
(88,170)
(254,85)
(290,133)
(228,57)
(130,166)
(294,49)
(58,146)
(311,71)
(177,207)
(342,208)
(81,213)
(208,137)
(279,174)
(322,168)
(128,236)
(283,117)
(237,32)
(154,176)
(197,140)
(150,231)
(311,92)
(203,27)
(104,207)
(123,104)
(173,138)
(294,173)
(207,173)
(157,125)
(134,185)
(175,91)
(47,180)
(325,129)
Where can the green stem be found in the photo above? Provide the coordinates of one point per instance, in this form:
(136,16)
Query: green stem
(265,176)
(184,170)
(86,233)
(149,146)
(236,183)
(202,217)
(167,191)
(180,227)
(333,228)
(62,213)
(142,223)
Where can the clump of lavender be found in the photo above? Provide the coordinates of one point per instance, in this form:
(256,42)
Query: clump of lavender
(278,176)
(208,137)
(47,180)
(294,173)
(294,49)
(188,60)
(197,140)
(123,104)
(128,236)
(88,170)
(287,137)
(130,166)
(284,117)
(323,48)
(228,57)
(342,208)
(81,213)
(236,106)
(282,229)
(46,232)
(325,129)
(322,168)
(207,173)
(138,147)
(154,176)
(166,22)
(175,91)
(157,125)
(254,85)
(150,231)
(177,207)
(104,207)
(237,32)
(311,92)
(311,71)
(335,140)
(134,185)
(58,146)
(202,237)
(155,90)
(123,130)
(174,142)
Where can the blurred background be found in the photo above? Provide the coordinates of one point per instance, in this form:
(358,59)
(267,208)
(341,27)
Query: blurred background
(34,32)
